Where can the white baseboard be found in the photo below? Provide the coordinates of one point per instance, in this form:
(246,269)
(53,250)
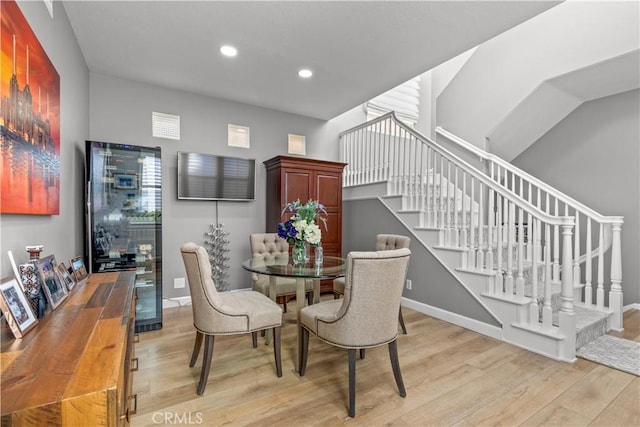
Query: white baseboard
(182,301)
(456,319)
(176,302)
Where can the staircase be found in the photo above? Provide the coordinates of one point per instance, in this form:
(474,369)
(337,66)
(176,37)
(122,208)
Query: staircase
(532,256)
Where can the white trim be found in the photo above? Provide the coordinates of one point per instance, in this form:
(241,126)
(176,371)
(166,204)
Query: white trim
(634,306)
(456,319)
(176,302)
(186,300)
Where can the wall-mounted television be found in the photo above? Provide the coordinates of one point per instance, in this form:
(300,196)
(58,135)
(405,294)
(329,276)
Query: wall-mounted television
(212,177)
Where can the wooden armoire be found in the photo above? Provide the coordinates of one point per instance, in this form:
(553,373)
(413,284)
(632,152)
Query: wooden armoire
(291,178)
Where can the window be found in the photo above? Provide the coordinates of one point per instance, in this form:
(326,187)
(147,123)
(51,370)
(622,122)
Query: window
(165,125)
(238,136)
(297,144)
(403,99)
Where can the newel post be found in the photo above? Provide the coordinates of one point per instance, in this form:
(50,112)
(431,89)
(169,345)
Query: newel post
(615,293)
(567,316)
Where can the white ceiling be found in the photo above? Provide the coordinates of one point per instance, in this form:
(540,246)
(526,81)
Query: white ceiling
(357,49)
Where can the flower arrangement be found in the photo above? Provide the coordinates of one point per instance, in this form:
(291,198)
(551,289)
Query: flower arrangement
(302,226)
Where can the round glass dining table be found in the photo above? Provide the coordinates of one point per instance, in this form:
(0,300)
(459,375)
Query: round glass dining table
(282,266)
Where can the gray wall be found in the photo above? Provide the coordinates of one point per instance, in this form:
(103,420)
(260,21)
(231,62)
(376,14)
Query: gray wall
(120,112)
(60,234)
(432,284)
(104,108)
(593,155)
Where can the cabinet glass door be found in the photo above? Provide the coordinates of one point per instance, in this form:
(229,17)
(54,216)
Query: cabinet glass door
(124,206)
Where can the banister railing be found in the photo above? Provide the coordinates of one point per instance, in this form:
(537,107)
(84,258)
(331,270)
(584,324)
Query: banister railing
(515,235)
(552,200)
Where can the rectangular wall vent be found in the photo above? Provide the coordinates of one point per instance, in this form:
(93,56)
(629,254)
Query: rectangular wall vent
(165,125)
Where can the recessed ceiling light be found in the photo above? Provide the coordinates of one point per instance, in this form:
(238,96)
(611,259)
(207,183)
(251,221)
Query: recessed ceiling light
(305,73)
(228,50)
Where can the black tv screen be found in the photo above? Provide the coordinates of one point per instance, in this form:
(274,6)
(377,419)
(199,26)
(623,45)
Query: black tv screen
(211,177)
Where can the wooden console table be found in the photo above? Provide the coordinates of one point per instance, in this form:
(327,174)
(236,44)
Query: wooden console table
(75,367)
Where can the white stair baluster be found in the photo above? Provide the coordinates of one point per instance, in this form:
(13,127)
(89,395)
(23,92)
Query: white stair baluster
(481,227)
(464,241)
(600,289)
(508,280)
(556,248)
(471,259)
(588,266)
(576,256)
(534,229)
(499,229)
(520,255)
(456,211)
(546,309)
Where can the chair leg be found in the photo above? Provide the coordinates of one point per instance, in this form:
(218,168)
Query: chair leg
(254,338)
(401,320)
(336,295)
(196,349)
(352,382)
(362,353)
(276,350)
(206,363)
(305,350)
(395,365)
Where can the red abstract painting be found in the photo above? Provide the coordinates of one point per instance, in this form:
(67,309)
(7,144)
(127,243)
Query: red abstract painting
(29,120)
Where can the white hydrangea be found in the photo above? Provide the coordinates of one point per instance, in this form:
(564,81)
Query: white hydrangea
(312,234)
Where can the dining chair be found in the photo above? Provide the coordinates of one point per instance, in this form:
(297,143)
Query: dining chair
(271,248)
(366,316)
(224,313)
(384,242)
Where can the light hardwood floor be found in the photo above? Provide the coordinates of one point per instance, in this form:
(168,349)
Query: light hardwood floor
(453,377)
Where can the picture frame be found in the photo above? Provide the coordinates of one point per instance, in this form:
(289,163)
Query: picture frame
(52,284)
(15,307)
(123,181)
(66,276)
(78,268)
(15,269)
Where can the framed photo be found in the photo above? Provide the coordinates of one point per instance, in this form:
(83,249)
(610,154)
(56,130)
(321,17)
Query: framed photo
(125,181)
(66,276)
(78,268)
(15,307)
(52,285)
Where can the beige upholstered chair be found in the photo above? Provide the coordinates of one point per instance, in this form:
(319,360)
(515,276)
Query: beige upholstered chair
(367,315)
(272,247)
(384,242)
(223,313)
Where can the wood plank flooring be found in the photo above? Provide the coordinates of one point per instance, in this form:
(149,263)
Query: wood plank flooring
(453,376)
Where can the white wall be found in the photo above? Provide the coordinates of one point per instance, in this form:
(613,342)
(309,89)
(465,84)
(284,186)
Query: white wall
(593,155)
(61,234)
(507,68)
(120,112)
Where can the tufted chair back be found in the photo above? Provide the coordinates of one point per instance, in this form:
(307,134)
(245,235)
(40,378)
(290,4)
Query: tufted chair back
(368,316)
(205,299)
(385,242)
(271,248)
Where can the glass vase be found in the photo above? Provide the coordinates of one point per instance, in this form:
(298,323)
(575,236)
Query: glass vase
(299,253)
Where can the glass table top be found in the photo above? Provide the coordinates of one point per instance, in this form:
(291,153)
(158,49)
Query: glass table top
(282,266)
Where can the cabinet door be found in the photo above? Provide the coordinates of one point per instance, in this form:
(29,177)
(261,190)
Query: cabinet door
(328,191)
(297,184)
